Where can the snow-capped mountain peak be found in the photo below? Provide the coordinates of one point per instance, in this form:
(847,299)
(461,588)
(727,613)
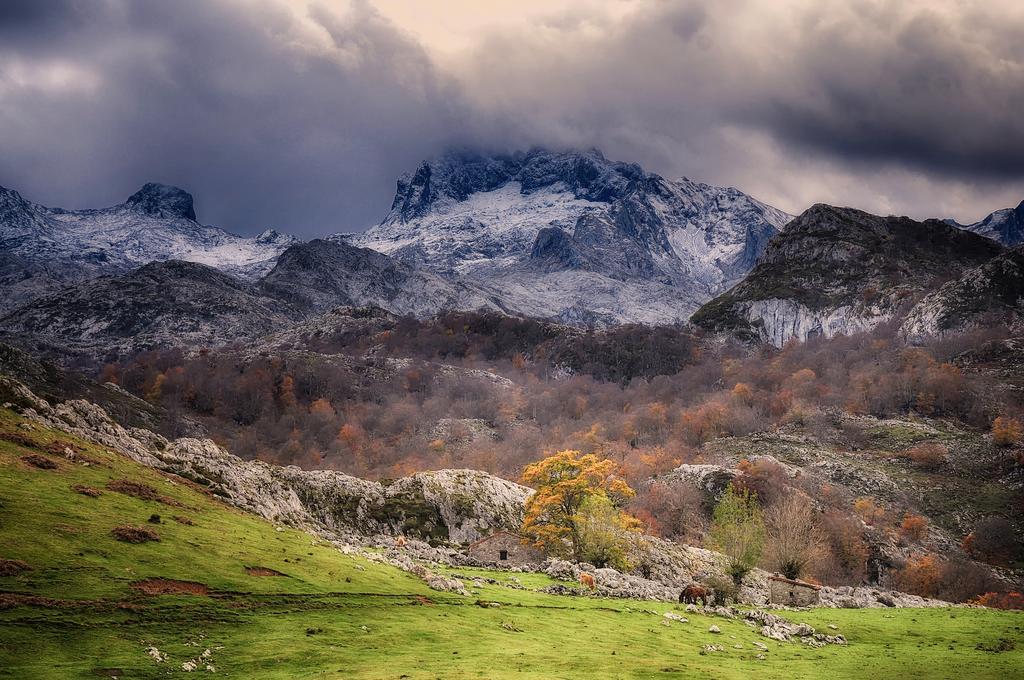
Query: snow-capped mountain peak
(551,233)
(44,248)
(1005,225)
(162,200)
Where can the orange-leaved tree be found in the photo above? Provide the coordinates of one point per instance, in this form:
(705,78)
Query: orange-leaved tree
(563,483)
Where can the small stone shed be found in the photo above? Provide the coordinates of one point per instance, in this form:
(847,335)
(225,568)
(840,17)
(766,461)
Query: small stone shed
(504,547)
(782,590)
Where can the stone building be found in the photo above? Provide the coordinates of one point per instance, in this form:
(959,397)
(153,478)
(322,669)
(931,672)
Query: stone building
(782,590)
(504,547)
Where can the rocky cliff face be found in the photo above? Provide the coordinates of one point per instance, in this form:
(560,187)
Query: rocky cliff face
(840,270)
(991,293)
(44,248)
(573,236)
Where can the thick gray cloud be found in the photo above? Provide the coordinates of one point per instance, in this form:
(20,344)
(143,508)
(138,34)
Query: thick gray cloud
(271,118)
(910,106)
(278,113)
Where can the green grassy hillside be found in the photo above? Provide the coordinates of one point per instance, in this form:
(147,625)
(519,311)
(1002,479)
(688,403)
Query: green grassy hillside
(77,602)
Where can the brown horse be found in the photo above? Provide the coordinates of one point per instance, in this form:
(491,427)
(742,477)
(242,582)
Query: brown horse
(587,580)
(694,592)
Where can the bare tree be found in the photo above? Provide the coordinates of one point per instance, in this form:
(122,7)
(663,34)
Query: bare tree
(795,536)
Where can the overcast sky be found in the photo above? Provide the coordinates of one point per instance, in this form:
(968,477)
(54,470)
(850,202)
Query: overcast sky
(300,114)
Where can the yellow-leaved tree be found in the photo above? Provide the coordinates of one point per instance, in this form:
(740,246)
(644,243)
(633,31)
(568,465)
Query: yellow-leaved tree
(577,508)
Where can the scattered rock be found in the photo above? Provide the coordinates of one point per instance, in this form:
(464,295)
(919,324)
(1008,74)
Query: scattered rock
(445,584)
(676,617)
(156,655)
(714,629)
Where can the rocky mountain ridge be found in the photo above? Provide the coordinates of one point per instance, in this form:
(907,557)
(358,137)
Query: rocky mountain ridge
(45,248)
(840,270)
(1005,225)
(573,236)
(989,294)
(162,304)
(320,275)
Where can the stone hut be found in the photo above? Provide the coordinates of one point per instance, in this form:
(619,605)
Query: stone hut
(782,590)
(504,548)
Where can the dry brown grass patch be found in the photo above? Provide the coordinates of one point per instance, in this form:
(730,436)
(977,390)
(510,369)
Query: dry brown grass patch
(183,520)
(130,534)
(141,491)
(13,567)
(41,462)
(86,490)
(169,586)
(60,448)
(263,571)
(19,439)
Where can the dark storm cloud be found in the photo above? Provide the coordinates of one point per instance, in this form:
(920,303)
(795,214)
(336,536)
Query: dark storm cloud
(271,118)
(300,116)
(919,88)
(853,102)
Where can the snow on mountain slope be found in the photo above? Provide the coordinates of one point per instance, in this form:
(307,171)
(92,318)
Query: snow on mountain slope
(45,247)
(1005,226)
(573,236)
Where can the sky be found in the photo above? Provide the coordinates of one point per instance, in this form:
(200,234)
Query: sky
(301,114)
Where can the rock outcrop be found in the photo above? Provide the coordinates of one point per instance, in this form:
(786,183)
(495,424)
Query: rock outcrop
(989,294)
(444,505)
(839,271)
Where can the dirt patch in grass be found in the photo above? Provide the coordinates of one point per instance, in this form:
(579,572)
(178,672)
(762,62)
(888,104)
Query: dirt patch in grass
(19,439)
(41,462)
(12,600)
(140,490)
(86,490)
(13,567)
(60,448)
(169,586)
(108,672)
(130,534)
(263,571)
(180,519)
(420,599)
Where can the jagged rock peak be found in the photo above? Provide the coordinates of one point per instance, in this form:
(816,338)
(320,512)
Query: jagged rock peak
(162,200)
(456,175)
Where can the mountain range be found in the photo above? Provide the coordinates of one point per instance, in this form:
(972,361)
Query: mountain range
(574,236)
(839,270)
(43,248)
(569,237)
